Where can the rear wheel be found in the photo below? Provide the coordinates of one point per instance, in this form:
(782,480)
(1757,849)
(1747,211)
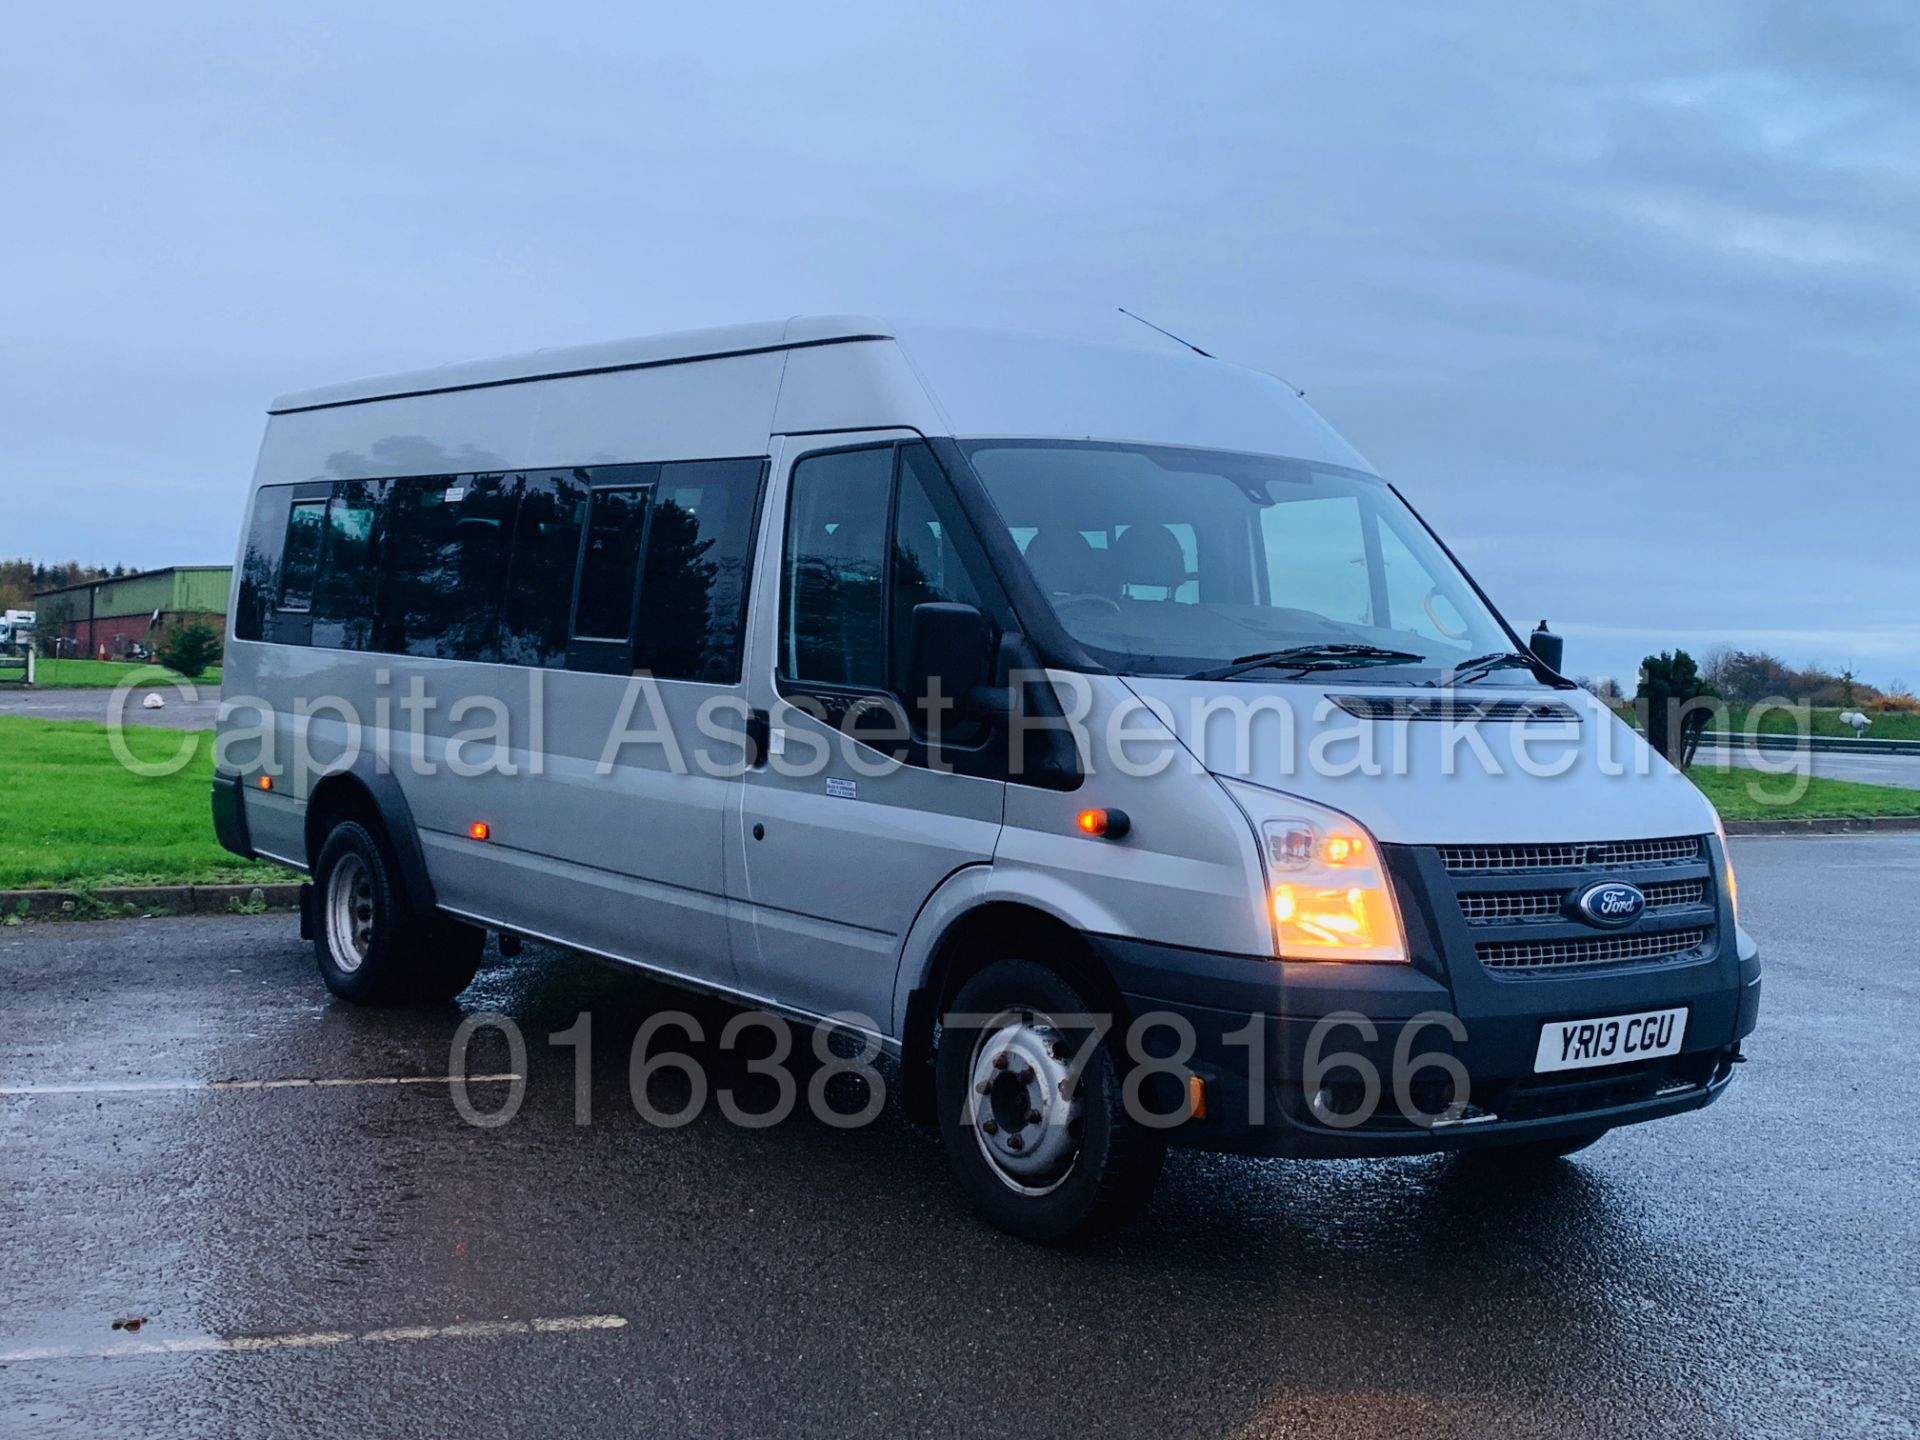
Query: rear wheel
(371,946)
(1041,1151)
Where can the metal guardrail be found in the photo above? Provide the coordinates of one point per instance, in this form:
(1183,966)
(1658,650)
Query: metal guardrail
(1835,744)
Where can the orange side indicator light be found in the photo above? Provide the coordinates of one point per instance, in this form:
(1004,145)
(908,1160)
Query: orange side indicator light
(480,830)
(266,782)
(1108,824)
(1197,1097)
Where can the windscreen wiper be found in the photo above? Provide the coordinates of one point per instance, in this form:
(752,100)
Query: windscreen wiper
(1302,658)
(1469,670)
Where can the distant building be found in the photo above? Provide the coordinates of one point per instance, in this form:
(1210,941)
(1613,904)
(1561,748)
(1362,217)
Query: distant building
(133,610)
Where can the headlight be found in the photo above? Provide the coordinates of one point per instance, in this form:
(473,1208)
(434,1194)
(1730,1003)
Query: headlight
(1726,858)
(1329,893)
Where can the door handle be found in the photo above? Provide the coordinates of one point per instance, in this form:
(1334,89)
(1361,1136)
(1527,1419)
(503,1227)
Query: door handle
(759,735)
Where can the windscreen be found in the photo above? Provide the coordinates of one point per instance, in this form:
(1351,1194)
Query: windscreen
(1170,561)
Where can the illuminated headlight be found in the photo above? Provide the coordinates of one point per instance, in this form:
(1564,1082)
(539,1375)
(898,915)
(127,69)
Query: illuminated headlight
(1329,893)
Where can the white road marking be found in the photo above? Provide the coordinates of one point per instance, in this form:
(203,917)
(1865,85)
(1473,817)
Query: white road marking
(309,1339)
(138,1087)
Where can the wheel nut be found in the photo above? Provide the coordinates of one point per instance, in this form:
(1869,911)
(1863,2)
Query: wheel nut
(1014,1142)
(982,1088)
(1001,1061)
(1025,1077)
(990,1125)
(1033,1117)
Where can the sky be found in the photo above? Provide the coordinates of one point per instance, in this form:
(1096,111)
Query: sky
(1625,297)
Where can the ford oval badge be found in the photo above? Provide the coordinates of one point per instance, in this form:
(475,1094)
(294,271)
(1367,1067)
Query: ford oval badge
(1611,904)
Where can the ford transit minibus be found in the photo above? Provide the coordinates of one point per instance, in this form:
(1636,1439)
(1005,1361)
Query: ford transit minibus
(1090,727)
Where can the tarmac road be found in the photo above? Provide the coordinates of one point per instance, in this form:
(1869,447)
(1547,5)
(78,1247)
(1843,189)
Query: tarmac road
(178,712)
(1750,1269)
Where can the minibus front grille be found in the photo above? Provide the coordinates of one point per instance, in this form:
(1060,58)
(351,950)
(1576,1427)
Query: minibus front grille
(1595,855)
(1493,907)
(1508,957)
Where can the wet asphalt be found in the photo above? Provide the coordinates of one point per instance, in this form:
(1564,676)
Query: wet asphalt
(1750,1269)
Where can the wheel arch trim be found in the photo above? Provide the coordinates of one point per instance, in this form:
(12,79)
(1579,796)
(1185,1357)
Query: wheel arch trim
(363,785)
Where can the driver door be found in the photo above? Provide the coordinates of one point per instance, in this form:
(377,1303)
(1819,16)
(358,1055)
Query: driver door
(839,842)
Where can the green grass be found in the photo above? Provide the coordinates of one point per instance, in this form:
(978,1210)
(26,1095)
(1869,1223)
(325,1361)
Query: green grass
(1750,795)
(72,815)
(103,674)
(1887,725)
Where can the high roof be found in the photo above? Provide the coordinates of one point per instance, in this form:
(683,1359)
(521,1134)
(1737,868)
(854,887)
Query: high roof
(630,354)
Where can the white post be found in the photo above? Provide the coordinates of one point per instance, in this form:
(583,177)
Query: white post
(29,664)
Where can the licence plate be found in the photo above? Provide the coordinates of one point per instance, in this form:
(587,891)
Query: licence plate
(1612,1040)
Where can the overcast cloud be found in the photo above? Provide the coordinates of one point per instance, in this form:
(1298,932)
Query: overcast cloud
(1624,296)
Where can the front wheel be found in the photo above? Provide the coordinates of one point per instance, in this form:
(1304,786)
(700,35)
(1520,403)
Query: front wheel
(1035,1129)
(370,945)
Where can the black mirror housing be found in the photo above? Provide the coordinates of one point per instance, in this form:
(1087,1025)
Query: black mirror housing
(951,646)
(1549,649)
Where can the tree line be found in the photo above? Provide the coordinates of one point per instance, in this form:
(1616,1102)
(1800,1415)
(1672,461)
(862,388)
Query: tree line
(21,580)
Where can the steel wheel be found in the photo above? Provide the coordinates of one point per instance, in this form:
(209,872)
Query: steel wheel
(1027,1111)
(350,912)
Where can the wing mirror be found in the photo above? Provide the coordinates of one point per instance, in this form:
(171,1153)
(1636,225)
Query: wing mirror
(950,648)
(1548,648)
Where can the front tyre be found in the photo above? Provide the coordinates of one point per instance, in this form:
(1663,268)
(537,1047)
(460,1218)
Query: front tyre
(1040,1151)
(371,947)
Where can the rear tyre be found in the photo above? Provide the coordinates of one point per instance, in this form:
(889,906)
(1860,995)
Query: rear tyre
(371,946)
(1040,1152)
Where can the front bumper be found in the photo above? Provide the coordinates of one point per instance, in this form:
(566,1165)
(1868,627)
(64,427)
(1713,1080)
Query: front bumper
(1268,1034)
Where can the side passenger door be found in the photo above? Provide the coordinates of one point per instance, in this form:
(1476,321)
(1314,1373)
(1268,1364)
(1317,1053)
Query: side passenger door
(838,841)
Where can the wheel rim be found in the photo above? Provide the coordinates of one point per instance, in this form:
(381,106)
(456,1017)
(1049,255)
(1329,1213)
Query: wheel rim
(1025,1101)
(350,913)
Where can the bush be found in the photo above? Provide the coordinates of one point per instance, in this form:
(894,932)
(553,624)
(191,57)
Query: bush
(189,649)
(1675,703)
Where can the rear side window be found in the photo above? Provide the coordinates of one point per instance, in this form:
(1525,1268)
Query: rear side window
(610,564)
(260,565)
(546,551)
(446,563)
(300,556)
(347,579)
(833,593)
(693,586)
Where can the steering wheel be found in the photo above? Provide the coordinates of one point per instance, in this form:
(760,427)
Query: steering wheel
(1087,597)
(1426,604)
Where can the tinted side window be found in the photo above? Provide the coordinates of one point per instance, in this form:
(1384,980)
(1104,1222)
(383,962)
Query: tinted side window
(926,563)
(546,551)
(348,577)
(300,556)
(260,566)
(833,568)
(446,557)
(693,588)
(610,564)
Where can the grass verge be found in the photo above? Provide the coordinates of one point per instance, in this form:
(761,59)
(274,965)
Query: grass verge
(1750,795)
(105,674)
(72,815)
